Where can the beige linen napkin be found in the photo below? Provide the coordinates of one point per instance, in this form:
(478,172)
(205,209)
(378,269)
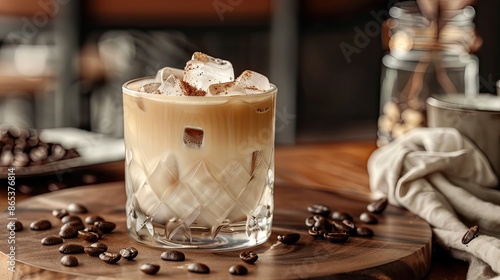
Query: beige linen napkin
(441,176)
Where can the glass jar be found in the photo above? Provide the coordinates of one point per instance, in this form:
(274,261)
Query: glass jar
(425,58)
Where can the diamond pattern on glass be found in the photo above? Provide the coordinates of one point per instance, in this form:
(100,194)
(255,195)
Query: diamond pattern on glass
(234,178)
(201,183)
(165,177)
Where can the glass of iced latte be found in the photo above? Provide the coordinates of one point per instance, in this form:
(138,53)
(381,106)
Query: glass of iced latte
(200,156)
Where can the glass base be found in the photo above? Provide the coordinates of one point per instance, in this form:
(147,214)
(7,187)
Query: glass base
(253,232)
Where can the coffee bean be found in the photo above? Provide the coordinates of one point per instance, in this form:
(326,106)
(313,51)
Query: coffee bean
(77,208)
(70,218)
(14,226)
(350,224)
(470,234)
(71,248)
(106,227)
(336,236)
(76,224)
(94,229)
(100,245)
(69,261)
(68,231)
(248,257)
(340,226)
(340,216)
(110,258)
(378,206)
(51,240)
(92,219)
(310,221)
(289,238)
(93,251)
(150,269)
(316,232)
(364,232)
(88,236)
(60,213)
(40,225)
(129,253)
(198,268)
(238,269)
(319,209)
(368,218)
(176,256)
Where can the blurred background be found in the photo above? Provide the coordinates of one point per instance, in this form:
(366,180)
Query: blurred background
(62,62)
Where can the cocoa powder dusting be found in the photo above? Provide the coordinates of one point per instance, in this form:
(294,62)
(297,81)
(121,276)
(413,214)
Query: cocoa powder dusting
(190,90)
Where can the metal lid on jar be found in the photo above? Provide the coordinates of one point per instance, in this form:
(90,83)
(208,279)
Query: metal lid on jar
(479,102)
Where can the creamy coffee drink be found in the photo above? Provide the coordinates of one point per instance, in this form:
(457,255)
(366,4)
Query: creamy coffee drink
(200,156)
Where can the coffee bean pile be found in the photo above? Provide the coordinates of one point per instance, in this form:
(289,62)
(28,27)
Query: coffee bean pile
(338,226)
(21,147)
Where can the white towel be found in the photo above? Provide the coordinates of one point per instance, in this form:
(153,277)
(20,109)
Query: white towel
(441,176)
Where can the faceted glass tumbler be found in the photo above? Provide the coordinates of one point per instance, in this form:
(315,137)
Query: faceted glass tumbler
(199,171)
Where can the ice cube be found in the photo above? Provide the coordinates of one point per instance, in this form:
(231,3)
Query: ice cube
(174,86)
(253,82)
(150,88)
(229,88)
(163,73)
(203,70)
(171,86)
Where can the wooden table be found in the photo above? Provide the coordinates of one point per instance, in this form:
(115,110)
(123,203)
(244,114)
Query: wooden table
(338,168)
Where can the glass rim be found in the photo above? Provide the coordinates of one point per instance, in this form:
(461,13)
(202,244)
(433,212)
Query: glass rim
(131,92)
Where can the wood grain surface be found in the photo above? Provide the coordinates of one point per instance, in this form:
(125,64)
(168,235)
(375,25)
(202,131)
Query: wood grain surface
(400,249)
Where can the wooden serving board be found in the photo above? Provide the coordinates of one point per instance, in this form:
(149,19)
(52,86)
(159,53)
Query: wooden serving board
(400,249)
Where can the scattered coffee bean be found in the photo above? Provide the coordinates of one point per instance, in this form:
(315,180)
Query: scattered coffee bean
(378,206)
(93,251)
(60,213)
(316,232)
(248,257)
(51,240)
(94,229)
(88,236)
(364,232)
(340,216)
(69,261)
(340,226)
(100,245)
(106,227)
(92,219)
(77,208)
(110,258)
(150,269)
(470,234)
(71,218)
(71,248)
(67,231)
(198,268)
(310,221)
(350,224)
(289,238)
(319,209)
(176,256)
(321,222)
(40,225)
(238,269)
(368,218)
(129,253)
(76,224)
(14,226)
(336,236)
